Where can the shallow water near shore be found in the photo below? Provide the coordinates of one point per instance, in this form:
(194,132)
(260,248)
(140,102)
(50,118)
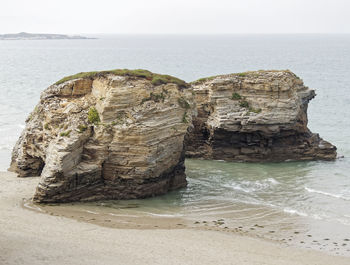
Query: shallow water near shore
(298,203)
(277,201)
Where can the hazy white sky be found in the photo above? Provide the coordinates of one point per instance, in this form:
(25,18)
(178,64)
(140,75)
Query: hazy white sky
(175,16)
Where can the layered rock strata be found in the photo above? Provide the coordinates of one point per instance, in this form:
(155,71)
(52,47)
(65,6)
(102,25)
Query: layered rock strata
(107,135)
(254,116)
(123,134)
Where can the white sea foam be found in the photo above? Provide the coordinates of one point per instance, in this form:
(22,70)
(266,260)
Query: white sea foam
(124,215)
(240,188)
(338,196)
(91,212)
(292,211)
(165,215)
(273,181)
(252,186)
(32,207)
(343,221)
(317,217)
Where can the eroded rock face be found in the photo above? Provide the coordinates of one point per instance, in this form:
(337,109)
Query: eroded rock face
(254,116)
(106,136)
(123,134)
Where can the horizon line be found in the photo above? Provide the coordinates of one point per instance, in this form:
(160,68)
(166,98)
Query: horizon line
(196,33)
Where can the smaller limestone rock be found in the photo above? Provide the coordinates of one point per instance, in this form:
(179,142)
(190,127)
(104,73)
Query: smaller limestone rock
(254,116)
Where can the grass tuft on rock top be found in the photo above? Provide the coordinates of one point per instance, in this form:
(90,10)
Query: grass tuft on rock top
(243,74)
(156,79)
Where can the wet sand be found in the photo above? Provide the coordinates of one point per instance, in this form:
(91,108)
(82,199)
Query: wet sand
(273,227)
(30,237)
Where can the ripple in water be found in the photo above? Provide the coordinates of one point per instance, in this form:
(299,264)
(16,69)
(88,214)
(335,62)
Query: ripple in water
(338,196)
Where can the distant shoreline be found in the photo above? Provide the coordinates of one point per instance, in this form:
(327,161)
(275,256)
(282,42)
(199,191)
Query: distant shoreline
(41,36)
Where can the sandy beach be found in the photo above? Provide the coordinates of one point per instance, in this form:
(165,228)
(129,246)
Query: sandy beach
(28,237)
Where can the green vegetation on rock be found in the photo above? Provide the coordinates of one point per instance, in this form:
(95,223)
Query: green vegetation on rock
(156,79)
(184,117)
(200,80)
(93,116)
(236,96)
(209,78)
(82,128)
(251,109)
(244,104)
(156,97)
(183,103)
(36,109)
(63,134)
(76,76)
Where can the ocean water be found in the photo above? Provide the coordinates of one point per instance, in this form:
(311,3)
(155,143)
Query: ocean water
(297,203)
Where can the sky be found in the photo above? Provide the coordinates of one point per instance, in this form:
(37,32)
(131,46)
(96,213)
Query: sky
(175,16)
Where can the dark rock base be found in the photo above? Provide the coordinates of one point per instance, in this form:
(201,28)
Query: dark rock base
(256,147)
(116,189)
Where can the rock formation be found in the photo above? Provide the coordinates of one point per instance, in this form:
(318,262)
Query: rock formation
(123,134)
(107,135)
(254,116)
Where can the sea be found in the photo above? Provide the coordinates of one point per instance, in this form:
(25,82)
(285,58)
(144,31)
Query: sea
(303,204)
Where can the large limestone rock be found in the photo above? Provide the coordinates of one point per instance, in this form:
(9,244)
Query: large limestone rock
(254,116)
(107,135)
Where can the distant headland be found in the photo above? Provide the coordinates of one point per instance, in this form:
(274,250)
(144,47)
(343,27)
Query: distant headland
(40,36)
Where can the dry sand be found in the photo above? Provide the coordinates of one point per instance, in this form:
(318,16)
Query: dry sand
(28,237)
